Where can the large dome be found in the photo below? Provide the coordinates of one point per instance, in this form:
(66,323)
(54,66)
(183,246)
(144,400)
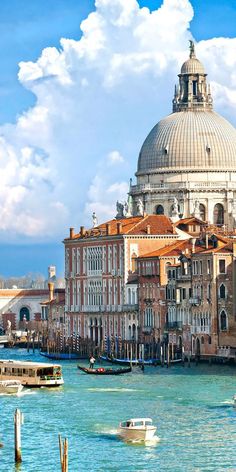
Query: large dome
(189,140)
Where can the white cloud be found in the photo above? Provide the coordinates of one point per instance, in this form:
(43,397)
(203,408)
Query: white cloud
(96,100)
(114,157)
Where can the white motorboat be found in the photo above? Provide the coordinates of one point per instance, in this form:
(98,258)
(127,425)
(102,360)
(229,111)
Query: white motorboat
(137,429)
(234,400)
(10,386)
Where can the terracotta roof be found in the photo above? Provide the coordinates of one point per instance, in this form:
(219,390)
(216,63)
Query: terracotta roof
(174,250)
(22,292)
(159,225)
(190,220)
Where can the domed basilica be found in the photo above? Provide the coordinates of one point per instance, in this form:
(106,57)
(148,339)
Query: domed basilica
(187,163)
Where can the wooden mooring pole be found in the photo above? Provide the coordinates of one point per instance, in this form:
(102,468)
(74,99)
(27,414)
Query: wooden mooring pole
(18,421)
(63,447)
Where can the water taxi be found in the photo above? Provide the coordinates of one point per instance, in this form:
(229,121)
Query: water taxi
(137,429)
(31,374)
(10,386)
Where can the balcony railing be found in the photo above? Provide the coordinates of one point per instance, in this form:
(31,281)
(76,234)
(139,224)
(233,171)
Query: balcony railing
(174,325)
(195,301)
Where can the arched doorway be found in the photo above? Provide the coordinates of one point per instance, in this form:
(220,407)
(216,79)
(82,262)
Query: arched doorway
(218,214)
(198,348)
(160,210)
(24,314)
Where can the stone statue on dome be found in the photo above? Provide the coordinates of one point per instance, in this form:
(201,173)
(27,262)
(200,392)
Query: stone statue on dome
(120,210)
(140,207)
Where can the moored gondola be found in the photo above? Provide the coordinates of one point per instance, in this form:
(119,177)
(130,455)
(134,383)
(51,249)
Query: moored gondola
(104,371)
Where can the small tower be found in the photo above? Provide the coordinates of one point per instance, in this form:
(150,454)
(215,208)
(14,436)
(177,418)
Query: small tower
(193,92)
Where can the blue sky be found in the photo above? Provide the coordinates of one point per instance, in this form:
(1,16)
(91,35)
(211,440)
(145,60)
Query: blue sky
(27,28)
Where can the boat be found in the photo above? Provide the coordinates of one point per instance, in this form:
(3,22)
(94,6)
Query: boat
(60,355)
(31,374)
(234,400)
(10,386)
(137,429)
(105,371)
(115,360)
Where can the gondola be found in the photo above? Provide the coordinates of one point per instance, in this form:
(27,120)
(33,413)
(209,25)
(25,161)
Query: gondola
(104,371)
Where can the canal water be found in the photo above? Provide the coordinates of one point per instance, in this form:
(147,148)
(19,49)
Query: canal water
(192,408)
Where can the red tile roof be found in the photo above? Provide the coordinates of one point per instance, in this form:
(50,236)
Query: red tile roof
(138,225)
(173,250)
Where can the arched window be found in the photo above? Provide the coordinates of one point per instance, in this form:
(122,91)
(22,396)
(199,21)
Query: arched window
(202,210)
(134,262)
(218,214)
(209,339)
(160,210)
(202,340)
(223,321)
(222,291)
(24,314)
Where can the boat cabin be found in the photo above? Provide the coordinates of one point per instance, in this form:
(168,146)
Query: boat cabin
(31,374)
(136,423)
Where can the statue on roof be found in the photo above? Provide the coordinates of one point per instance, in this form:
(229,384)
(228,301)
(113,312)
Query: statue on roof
(191,48)
(95,220)
(140,207)
(119,209)
(175,210)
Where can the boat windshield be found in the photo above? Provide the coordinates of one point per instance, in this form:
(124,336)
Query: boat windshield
(148,423)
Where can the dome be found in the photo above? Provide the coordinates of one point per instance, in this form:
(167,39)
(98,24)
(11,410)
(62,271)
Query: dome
(189,140)
(192,66)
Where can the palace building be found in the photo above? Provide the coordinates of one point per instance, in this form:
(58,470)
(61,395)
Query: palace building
(163,270)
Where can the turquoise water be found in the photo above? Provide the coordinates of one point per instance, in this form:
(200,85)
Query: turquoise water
(192,408)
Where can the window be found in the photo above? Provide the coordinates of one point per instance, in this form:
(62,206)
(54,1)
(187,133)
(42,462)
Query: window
(159,210)
(222,266)
(222,291)
(208,266)
(200,266)
(202,211)
(223,321)
(218,214)
(148,317)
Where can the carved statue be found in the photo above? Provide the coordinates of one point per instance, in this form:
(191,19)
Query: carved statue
(196,209)
(192,48)
(119,209)
(8,325)
(140,207)
(95,220)
(175,207)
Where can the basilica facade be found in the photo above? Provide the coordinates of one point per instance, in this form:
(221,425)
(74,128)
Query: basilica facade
(187,163)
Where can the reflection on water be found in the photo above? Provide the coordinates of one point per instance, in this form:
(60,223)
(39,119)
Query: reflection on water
(191,407)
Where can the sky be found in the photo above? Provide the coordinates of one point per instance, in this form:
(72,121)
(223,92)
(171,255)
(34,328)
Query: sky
(81,85)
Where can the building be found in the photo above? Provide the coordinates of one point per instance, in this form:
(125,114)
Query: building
(163,271)
(187,163)
(101,274)
(22,307)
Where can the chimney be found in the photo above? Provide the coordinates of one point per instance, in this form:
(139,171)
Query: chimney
(51,291)
(82,231)
(234,248)
(108,228)
(148,229)
(193,241)
(71,233)
(119,228)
